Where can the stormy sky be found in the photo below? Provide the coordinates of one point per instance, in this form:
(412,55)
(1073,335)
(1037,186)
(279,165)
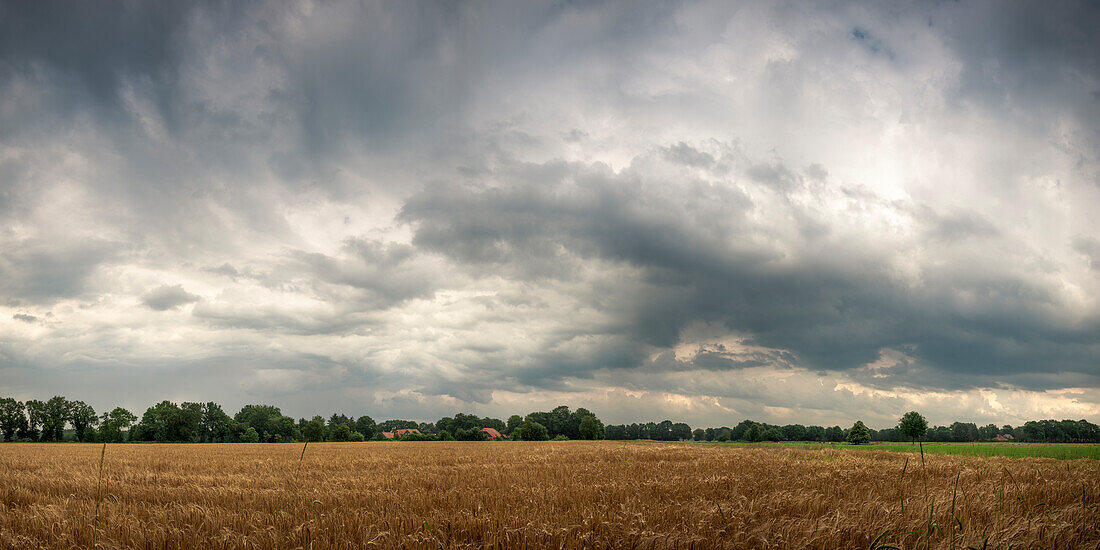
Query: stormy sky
(791,212)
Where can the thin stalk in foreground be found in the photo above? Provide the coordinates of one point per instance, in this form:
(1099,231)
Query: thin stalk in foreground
(98,497)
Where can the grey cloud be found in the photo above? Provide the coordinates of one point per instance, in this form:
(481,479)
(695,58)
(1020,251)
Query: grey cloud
(831,307)
(581,183)
(24,317)
(167,297)
(40,272)
(1089,247)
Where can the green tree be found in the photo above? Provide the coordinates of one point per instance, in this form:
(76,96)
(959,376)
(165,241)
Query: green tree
(250,435)
(165,421)
(53,423)
(859,434)
(532,431)
(794,432)
(698,434)
(680,432)
(834,434)
(913,425)
(264,418)
(514,422)
(615,432)
(366,426)
(771,433)
(342,432)
(11,415)
(591,427)
(754,434)
(112,423)
(356,436)
(215,425)
(314,430)
(82,416)
(188,424)
(36,416)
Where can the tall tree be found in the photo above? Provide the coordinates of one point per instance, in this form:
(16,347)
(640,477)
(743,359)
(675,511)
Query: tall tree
(215,425)
(112,423)
(590,427)
(11,413)
(36,416)
(56,413)
(82,416)
(913,425)
(514,422)
(313,430)
(366,426)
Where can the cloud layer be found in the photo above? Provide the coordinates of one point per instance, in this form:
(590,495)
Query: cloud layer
(704,211)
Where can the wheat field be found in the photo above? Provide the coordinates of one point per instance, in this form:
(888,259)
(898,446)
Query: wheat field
(535,495)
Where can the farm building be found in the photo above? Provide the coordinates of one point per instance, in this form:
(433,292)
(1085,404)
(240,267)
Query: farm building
(387,435)
(493,434)
(406,431)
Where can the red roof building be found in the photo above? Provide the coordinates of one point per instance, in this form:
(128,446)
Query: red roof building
(493,434)
(406,431)
(387,435)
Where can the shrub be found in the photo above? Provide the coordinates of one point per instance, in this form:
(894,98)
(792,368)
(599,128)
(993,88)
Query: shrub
(250,435)
(532,431)
(356,436)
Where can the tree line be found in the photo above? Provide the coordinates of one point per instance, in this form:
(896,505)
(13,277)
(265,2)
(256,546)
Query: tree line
(61,419)
(167,421)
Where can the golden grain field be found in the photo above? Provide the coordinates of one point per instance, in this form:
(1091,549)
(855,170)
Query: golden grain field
(535,495)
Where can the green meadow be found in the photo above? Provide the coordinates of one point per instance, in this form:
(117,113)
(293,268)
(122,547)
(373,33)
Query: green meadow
(1064,451)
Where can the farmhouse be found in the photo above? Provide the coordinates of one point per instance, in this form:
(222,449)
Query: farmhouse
(406,431)
(1004,437)
(493,434)
(387,435)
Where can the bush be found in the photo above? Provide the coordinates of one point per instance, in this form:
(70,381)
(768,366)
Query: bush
(356,436)
(560,437)
(250,436)
(417,437)
(532,431)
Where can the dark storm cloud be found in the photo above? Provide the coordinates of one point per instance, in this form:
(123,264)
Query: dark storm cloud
(1025,53)
(833,307)
(167,297)
(92,49)
(889,195)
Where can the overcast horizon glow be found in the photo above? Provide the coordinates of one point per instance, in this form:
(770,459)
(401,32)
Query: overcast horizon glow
(788,212)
